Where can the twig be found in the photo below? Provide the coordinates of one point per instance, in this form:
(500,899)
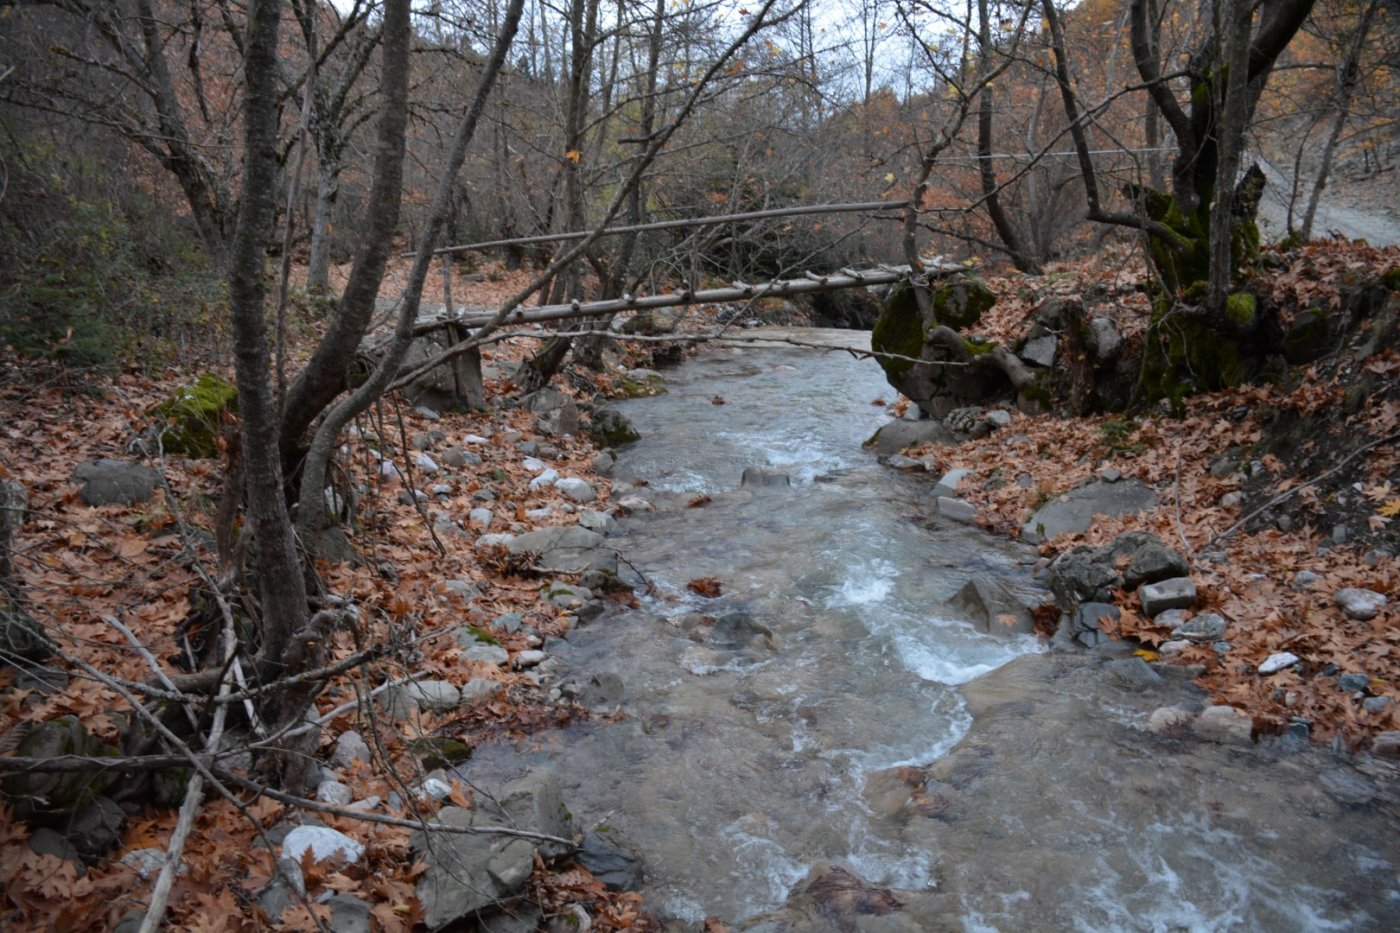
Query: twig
(365,816)
(194,795)
(154,665)
(1299,488)
(1180,531)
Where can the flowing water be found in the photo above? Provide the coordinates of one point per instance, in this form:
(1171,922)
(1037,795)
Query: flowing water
(740,760)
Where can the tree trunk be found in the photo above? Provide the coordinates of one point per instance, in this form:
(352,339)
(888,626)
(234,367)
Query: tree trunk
(1349,78)
(327,192)
(279,576)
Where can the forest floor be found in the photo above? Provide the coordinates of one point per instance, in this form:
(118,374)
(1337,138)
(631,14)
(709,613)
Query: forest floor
(145,566)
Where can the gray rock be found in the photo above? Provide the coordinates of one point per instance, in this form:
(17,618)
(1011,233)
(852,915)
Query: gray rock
(422,441)
(96,828)
(1305,580)
(575,489)
(897,435)
(992,607)
(1087,622)
(608,427)
(1177,593)
(530,658)
(469,872)
(1082,574)
(1173,648)
(1224,724)
(1172,618)
(598,690)
(1206,627)
(334,792)
(426,413)
(349,914)
(130,922)
(565,549)
(1153,563)
(1232,500)
(508,622)
(480,651)
(481,690)
(1386,745)
(548,477)
(635,504)
(594,520)
(520,917)
(1168,720)
(763,477)
(59,792)
(555,412)
(453,458)
(350,747)
(46,841)
(1104,339)
(956,509)
(323,843)
(617,869)
(901,462)
(115,481)
(566,595)
(1277,662)
(434,696)
(1376,704)
(740,629)
(1040,351)
(948,483)
(480,518)
(1353,682)
(998,417)
(1361,605)
(1134,672)
(604,462)
(1074,511)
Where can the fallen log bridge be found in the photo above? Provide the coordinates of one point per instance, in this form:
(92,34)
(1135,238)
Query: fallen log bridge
(810,283)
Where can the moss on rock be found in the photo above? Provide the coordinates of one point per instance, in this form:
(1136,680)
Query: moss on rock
(960,302)
(899,330)
(194,416)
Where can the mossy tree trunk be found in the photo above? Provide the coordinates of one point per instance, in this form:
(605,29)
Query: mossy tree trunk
(1202,237)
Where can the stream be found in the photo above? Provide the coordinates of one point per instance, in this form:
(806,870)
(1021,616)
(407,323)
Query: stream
(849,717)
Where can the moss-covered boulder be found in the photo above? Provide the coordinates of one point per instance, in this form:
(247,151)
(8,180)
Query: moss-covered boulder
(191,420)
(61,792)
(960,302)
(608,427)
(1307,339)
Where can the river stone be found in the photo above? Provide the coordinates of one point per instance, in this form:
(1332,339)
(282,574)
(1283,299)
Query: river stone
(334,792)
(530,658)
(1134,672)
(323,843)
(1386,745)
(763,477)
(350,747)
(1040,351)
(992,607)
(594,520)
(635,504)
(46,841)
(956,510)
(1277,662)
(948,484)
(115,481)
(349,914)
(480,518)
(555,412)
(1177,593)
(1082,574)
(548,478)
(1208,626)
(1351,683)
(1074,511)
(468,872)
(566,595)
(434,696)
(1168,720)
(565,549)
(1153,563)
(479,651)
(740,629)
(59,792)
(576,490)
(608,427)
(617,869)
(1361,605)
(1224,724)
(897,435)
(1104,339)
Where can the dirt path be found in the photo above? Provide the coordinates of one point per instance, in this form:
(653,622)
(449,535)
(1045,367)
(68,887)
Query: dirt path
(1377,222)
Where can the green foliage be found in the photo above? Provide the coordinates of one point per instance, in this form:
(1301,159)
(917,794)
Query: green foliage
(92,269)
(193,416)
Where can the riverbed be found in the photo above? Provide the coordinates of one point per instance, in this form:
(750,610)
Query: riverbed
(829,708)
